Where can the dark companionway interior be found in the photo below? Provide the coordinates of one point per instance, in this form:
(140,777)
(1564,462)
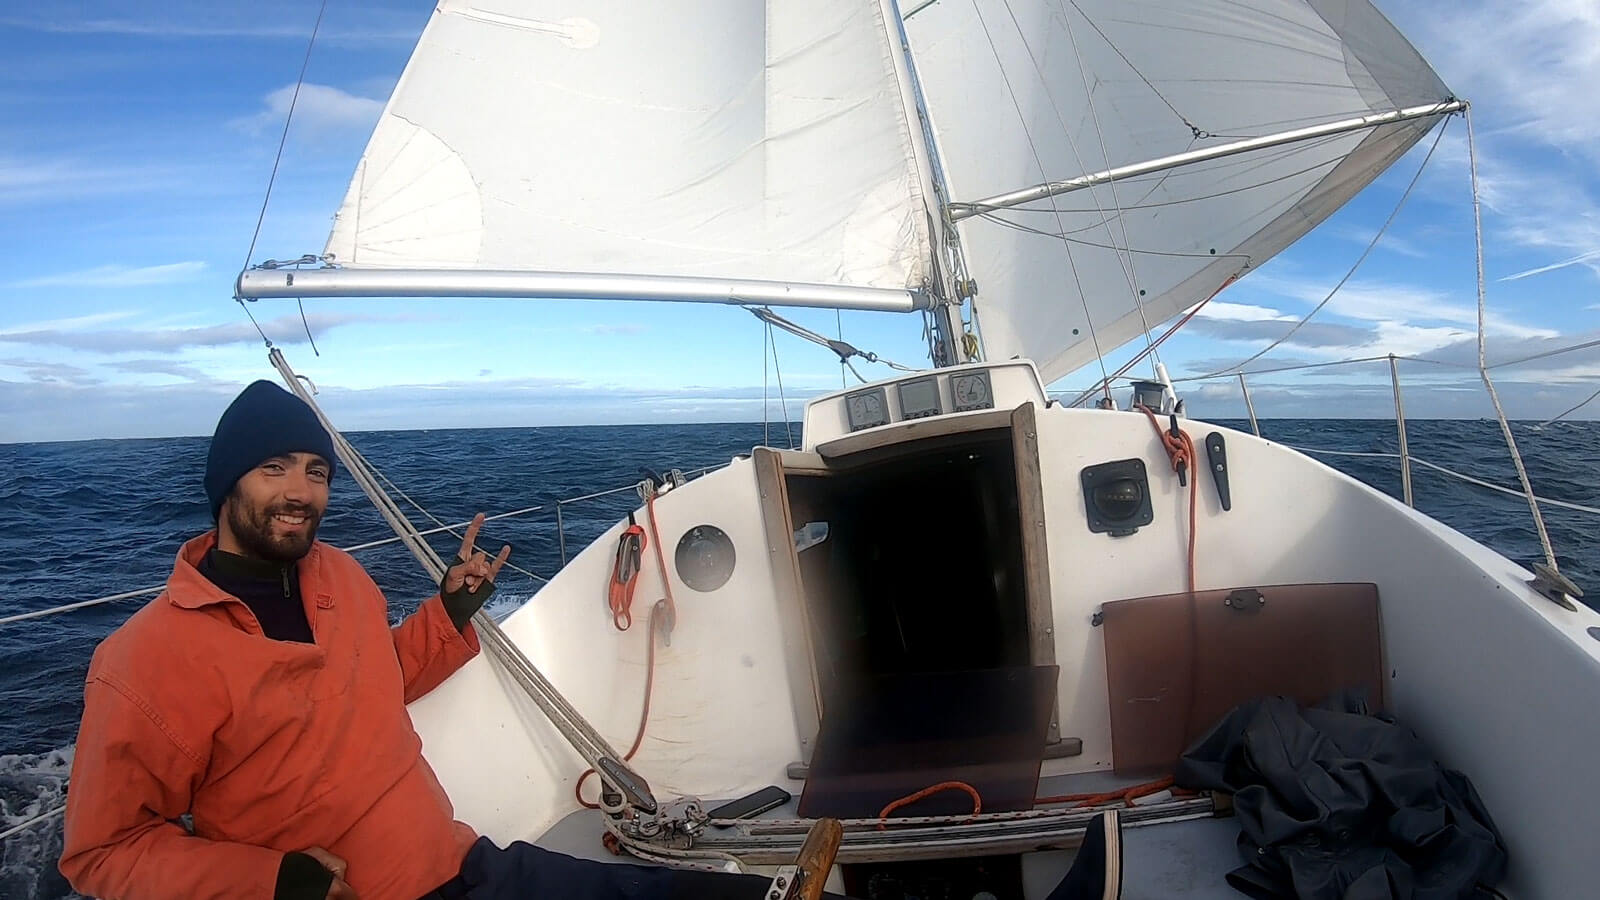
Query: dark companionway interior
(918,612)
(922,566)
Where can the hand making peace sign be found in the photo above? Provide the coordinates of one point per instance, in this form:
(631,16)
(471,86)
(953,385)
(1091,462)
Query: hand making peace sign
(470,581)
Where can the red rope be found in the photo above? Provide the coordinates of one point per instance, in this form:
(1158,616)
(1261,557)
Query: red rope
(619,594)
(664,605)
(1180,450)
(644,711)
(661,561)
(907,800)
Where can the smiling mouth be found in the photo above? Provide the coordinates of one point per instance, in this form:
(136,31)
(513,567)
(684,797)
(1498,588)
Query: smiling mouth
(292,521)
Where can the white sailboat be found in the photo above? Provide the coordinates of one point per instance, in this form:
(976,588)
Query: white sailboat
(1045,180)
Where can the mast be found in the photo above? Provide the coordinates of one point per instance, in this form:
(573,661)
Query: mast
(947,295)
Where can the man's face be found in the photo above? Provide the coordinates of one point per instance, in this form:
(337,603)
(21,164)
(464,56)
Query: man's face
(273,511)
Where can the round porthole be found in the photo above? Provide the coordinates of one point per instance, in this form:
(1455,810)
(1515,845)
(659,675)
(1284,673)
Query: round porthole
(705,558)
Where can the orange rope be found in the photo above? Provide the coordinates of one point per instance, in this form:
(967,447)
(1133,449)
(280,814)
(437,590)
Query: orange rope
(664,605)
(619,594)
(1180,450)
(1124,795)
(644,711)
(661,561)
(977,801)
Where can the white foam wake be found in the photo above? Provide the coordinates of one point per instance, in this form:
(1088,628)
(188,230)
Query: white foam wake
(32,784)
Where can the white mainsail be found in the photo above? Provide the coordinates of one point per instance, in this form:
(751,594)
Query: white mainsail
(727,140)
(1028,91)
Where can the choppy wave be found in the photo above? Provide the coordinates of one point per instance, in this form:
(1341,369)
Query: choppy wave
(31,785)
(502,605)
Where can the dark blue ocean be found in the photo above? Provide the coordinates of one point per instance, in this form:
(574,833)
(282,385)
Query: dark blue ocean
(86,519)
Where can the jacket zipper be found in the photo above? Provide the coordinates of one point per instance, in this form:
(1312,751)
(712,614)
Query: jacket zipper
(284,573)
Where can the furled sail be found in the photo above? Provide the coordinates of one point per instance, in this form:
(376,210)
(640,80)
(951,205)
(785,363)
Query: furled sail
(710,140)
(1023,92)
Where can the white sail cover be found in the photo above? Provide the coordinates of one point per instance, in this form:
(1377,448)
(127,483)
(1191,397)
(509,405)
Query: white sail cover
(1027,91)
(728,139)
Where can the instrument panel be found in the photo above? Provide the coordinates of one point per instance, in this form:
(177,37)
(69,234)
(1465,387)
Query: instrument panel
(867,409)
(919,398)
(920,395)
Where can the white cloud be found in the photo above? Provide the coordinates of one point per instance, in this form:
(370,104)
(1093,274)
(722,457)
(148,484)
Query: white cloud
(203,23)
(1540,270)
(1534,64)
(1390,241)
(19,174)
(71,322)
(53,373)
(1579,349)
(163,367)
(1240,312)
(66,403)
(1312,335)
(117,276)
(283,330)
(1541,205)
(23,180)
(320,111)
(1402,339)
(1397,303)
(1530,69)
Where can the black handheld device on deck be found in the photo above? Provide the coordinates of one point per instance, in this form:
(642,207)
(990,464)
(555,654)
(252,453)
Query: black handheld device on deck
(755,804)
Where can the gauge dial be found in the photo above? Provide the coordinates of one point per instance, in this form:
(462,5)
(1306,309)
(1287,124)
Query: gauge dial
(866,409)
(972,391)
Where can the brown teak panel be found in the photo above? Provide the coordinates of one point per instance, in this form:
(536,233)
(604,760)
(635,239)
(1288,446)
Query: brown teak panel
(1176,666)
(790,592)
(1035,545)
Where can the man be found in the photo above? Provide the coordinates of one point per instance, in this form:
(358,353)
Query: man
(263,696)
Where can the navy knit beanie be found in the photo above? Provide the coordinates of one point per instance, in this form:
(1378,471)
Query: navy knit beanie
(262,422)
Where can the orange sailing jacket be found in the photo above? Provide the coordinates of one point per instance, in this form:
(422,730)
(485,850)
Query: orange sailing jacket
(272,746)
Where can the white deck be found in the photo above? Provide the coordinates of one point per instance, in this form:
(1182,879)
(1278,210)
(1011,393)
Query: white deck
(1491,675)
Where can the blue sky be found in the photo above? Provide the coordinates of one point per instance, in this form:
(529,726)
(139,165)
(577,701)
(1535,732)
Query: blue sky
(136,139)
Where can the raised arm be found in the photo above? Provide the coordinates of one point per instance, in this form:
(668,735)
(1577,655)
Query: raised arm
(439,638)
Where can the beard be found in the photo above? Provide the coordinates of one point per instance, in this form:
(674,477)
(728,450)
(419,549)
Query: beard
(260,536)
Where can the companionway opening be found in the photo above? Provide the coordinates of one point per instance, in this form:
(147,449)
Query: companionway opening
(922,569)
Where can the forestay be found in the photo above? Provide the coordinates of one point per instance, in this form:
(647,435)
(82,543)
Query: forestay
(705,139)
(1028,91)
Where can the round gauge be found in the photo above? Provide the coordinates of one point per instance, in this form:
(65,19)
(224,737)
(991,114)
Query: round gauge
(971,391)
(867,409)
